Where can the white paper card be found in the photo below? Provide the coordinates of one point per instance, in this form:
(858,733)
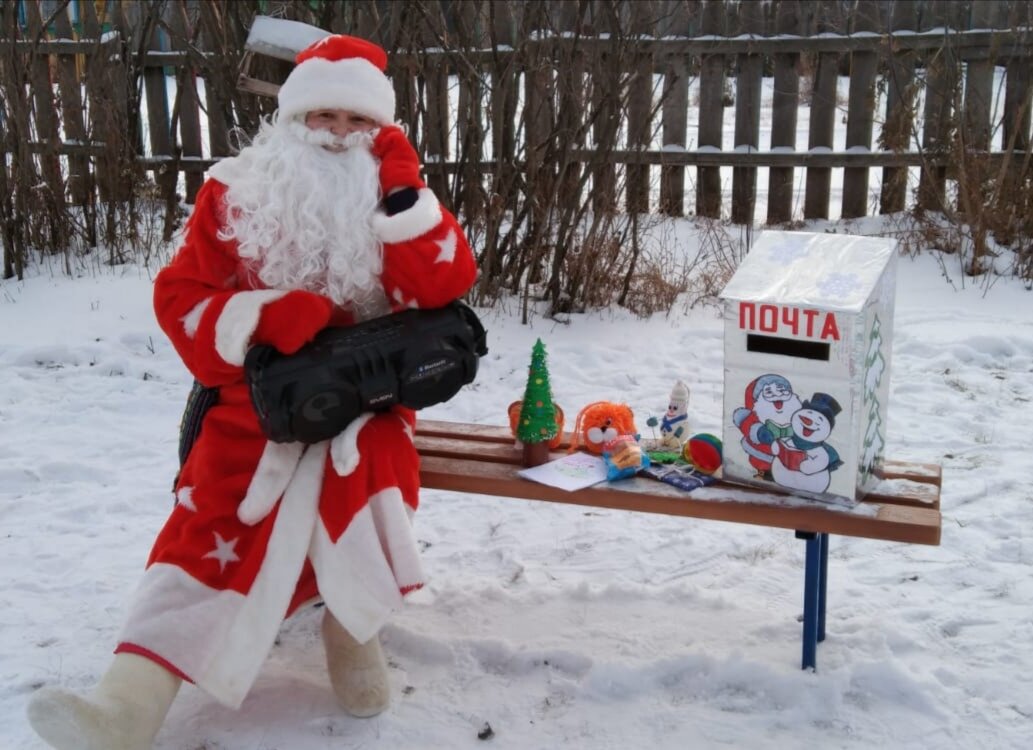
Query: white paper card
(572,472)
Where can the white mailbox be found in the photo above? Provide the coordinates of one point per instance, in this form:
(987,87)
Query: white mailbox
(808,322)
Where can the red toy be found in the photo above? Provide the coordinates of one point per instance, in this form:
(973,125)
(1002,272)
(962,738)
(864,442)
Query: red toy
(600,422)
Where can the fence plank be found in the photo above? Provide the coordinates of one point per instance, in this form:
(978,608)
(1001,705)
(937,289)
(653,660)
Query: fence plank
(822,125)
(469,131)
(503,118)
(539,121)
(158,123)
(605,99)
(897,129)
(187,104)
(941,77)
(784,105)
(218,110)
(13,255)
(640,100)
(860,112)
(80,186)
(711,113)
(46,129)
(13,259)
(675,111)
(1017,90)
(979,81)
(435,116)
(14,131)
(747,117)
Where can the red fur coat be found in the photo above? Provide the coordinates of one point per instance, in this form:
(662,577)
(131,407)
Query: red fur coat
(259,528)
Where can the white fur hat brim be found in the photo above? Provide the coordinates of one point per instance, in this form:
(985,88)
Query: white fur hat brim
(354,84)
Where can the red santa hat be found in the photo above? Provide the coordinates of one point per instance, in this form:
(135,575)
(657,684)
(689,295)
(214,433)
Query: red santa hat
(755,386)
(339,72)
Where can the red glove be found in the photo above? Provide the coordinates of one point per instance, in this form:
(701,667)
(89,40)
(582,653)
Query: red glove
(399,163)
(292,321)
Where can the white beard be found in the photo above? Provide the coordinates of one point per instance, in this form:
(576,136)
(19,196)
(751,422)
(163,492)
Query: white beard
(302,215)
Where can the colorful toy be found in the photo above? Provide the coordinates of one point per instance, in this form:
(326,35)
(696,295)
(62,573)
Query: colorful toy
(536,425)
(600,422)
(674,427)
(514,421)
(703,451)
(624,457)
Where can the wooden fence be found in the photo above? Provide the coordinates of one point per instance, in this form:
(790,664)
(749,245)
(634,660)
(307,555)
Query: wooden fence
(518,107)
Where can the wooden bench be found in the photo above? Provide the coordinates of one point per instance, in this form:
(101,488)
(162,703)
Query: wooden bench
(483,459)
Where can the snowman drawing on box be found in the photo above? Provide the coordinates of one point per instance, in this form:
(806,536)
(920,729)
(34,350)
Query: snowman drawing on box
(804,460)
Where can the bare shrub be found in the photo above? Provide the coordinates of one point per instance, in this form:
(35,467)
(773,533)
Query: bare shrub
(719,255)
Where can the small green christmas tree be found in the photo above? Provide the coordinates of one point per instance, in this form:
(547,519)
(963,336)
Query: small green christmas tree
(537,414)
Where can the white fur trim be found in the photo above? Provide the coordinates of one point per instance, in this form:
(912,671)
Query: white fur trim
(237,323)
(167,591)
(253,630)
(271,477)
(192,319)
(227,635)
(423,216)
(354,84)
(344,448)
(230,169)
(373,560)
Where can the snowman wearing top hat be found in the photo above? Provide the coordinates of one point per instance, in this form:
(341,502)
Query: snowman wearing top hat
(804,461)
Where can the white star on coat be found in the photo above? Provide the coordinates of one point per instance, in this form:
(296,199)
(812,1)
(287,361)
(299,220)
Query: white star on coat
(223,551)
(185,498)
(448,248)
(402,301)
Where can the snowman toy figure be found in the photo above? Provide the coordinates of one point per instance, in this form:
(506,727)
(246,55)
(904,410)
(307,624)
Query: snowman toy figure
(674,427)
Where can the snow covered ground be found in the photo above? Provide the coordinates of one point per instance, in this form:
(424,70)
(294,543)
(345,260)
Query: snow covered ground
(558,626)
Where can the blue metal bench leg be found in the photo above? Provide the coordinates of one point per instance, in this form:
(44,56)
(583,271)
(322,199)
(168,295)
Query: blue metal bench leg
(823,583)
(815,585)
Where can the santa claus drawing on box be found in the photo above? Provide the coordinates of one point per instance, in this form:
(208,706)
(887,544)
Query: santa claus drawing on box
(323,220)
(769,405)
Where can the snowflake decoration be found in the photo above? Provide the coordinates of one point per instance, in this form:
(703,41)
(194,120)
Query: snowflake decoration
(839,285)
(787,253)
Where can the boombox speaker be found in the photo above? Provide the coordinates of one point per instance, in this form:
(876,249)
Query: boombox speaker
(415,358)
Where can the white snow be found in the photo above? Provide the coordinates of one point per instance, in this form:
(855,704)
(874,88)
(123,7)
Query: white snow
(560,626)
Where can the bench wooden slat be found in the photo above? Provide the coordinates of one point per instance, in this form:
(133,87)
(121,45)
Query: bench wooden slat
(905,491)
(903,483)
(931,473)
(734,504)
(488,433)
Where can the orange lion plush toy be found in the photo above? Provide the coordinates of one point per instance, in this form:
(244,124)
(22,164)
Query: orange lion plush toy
(600,422)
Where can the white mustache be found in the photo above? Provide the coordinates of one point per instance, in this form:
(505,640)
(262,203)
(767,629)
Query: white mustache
(360,139)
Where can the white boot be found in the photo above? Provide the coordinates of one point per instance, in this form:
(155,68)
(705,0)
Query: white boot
(123,712)
(358,671)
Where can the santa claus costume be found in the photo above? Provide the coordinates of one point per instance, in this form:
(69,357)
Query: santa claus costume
(300,231)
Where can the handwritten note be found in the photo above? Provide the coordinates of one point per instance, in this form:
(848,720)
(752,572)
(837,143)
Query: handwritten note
(572,472)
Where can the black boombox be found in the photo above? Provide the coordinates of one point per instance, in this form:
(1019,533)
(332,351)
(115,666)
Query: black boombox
(415,358)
